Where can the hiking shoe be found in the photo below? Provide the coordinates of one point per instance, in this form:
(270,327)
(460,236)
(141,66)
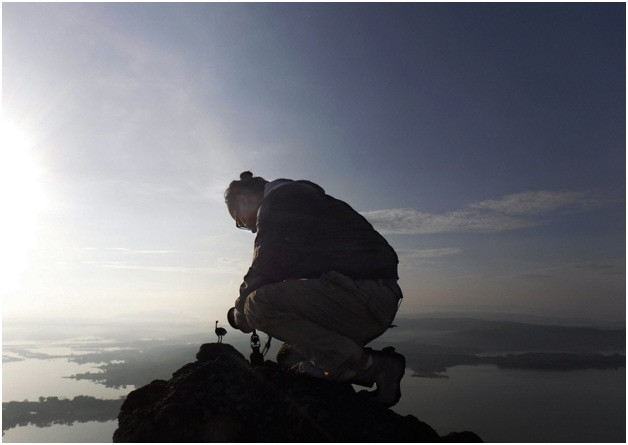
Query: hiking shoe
(287,356)
(387,370)
(308,368)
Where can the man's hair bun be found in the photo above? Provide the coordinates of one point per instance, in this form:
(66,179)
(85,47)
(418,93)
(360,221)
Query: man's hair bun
(245,176)
(248,184)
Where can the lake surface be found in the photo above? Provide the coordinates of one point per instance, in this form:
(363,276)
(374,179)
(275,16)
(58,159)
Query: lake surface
(88,432)
(499,405)
(521,406)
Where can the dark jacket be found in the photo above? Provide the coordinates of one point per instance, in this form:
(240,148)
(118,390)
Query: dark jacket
(303,233)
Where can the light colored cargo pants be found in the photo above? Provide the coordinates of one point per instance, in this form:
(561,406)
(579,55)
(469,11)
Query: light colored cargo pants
(326,320)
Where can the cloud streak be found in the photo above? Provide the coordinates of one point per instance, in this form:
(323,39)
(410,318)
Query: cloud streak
(510,212)
(142,267)
(127,250)
(428,253)
(167,261)
(533,203)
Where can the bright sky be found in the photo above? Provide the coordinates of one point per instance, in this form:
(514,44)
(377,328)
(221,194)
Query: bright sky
(485,141)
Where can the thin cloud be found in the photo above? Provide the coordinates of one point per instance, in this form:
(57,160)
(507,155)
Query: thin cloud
(163,261)
(123,251)
(594,266)
(428,253)
(510,212)
(602,268)
(126,250)
(536,275)
(532,203)
(169,269)
(135,251)
(413,222)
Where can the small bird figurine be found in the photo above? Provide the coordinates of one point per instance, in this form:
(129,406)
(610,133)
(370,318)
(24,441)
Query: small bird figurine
(220,332)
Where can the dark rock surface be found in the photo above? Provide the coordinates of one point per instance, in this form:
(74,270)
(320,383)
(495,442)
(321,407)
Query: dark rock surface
(221,398)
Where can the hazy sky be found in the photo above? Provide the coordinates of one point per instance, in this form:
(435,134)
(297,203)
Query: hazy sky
(485,141)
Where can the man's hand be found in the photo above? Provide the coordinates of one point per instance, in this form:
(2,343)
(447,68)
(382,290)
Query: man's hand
(237,320)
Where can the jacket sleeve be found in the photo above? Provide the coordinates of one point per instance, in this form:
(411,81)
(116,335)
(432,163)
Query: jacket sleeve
(282,228)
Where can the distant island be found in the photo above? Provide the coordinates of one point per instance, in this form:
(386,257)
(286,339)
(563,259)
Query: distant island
(428,365)
(52,410)
(432,345)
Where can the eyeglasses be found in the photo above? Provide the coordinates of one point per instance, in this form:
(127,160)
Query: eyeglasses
(238,222)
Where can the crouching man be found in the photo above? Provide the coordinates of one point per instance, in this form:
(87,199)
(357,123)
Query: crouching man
(323,281)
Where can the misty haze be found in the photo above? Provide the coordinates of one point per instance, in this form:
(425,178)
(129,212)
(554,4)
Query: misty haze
(449,358)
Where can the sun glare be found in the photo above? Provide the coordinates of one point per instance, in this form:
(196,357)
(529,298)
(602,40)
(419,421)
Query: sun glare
(22,203)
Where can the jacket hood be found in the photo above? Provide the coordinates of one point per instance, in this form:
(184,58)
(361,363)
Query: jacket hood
(274,185)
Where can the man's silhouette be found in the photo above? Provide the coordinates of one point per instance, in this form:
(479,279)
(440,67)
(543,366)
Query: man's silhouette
(322,280)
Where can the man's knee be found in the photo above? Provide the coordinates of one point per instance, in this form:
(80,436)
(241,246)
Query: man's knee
(287,356)
(257,309)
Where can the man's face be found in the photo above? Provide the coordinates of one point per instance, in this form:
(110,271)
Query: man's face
(245,212)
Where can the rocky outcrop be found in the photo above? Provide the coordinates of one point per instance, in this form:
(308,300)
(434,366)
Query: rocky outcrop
(221,398)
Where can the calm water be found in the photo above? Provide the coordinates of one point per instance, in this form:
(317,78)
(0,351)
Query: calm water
(94,432)
(33,378)
(498,405)
(522,406)
(30,379)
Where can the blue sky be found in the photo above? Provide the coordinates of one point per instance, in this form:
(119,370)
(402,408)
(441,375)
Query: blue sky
(485,141)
